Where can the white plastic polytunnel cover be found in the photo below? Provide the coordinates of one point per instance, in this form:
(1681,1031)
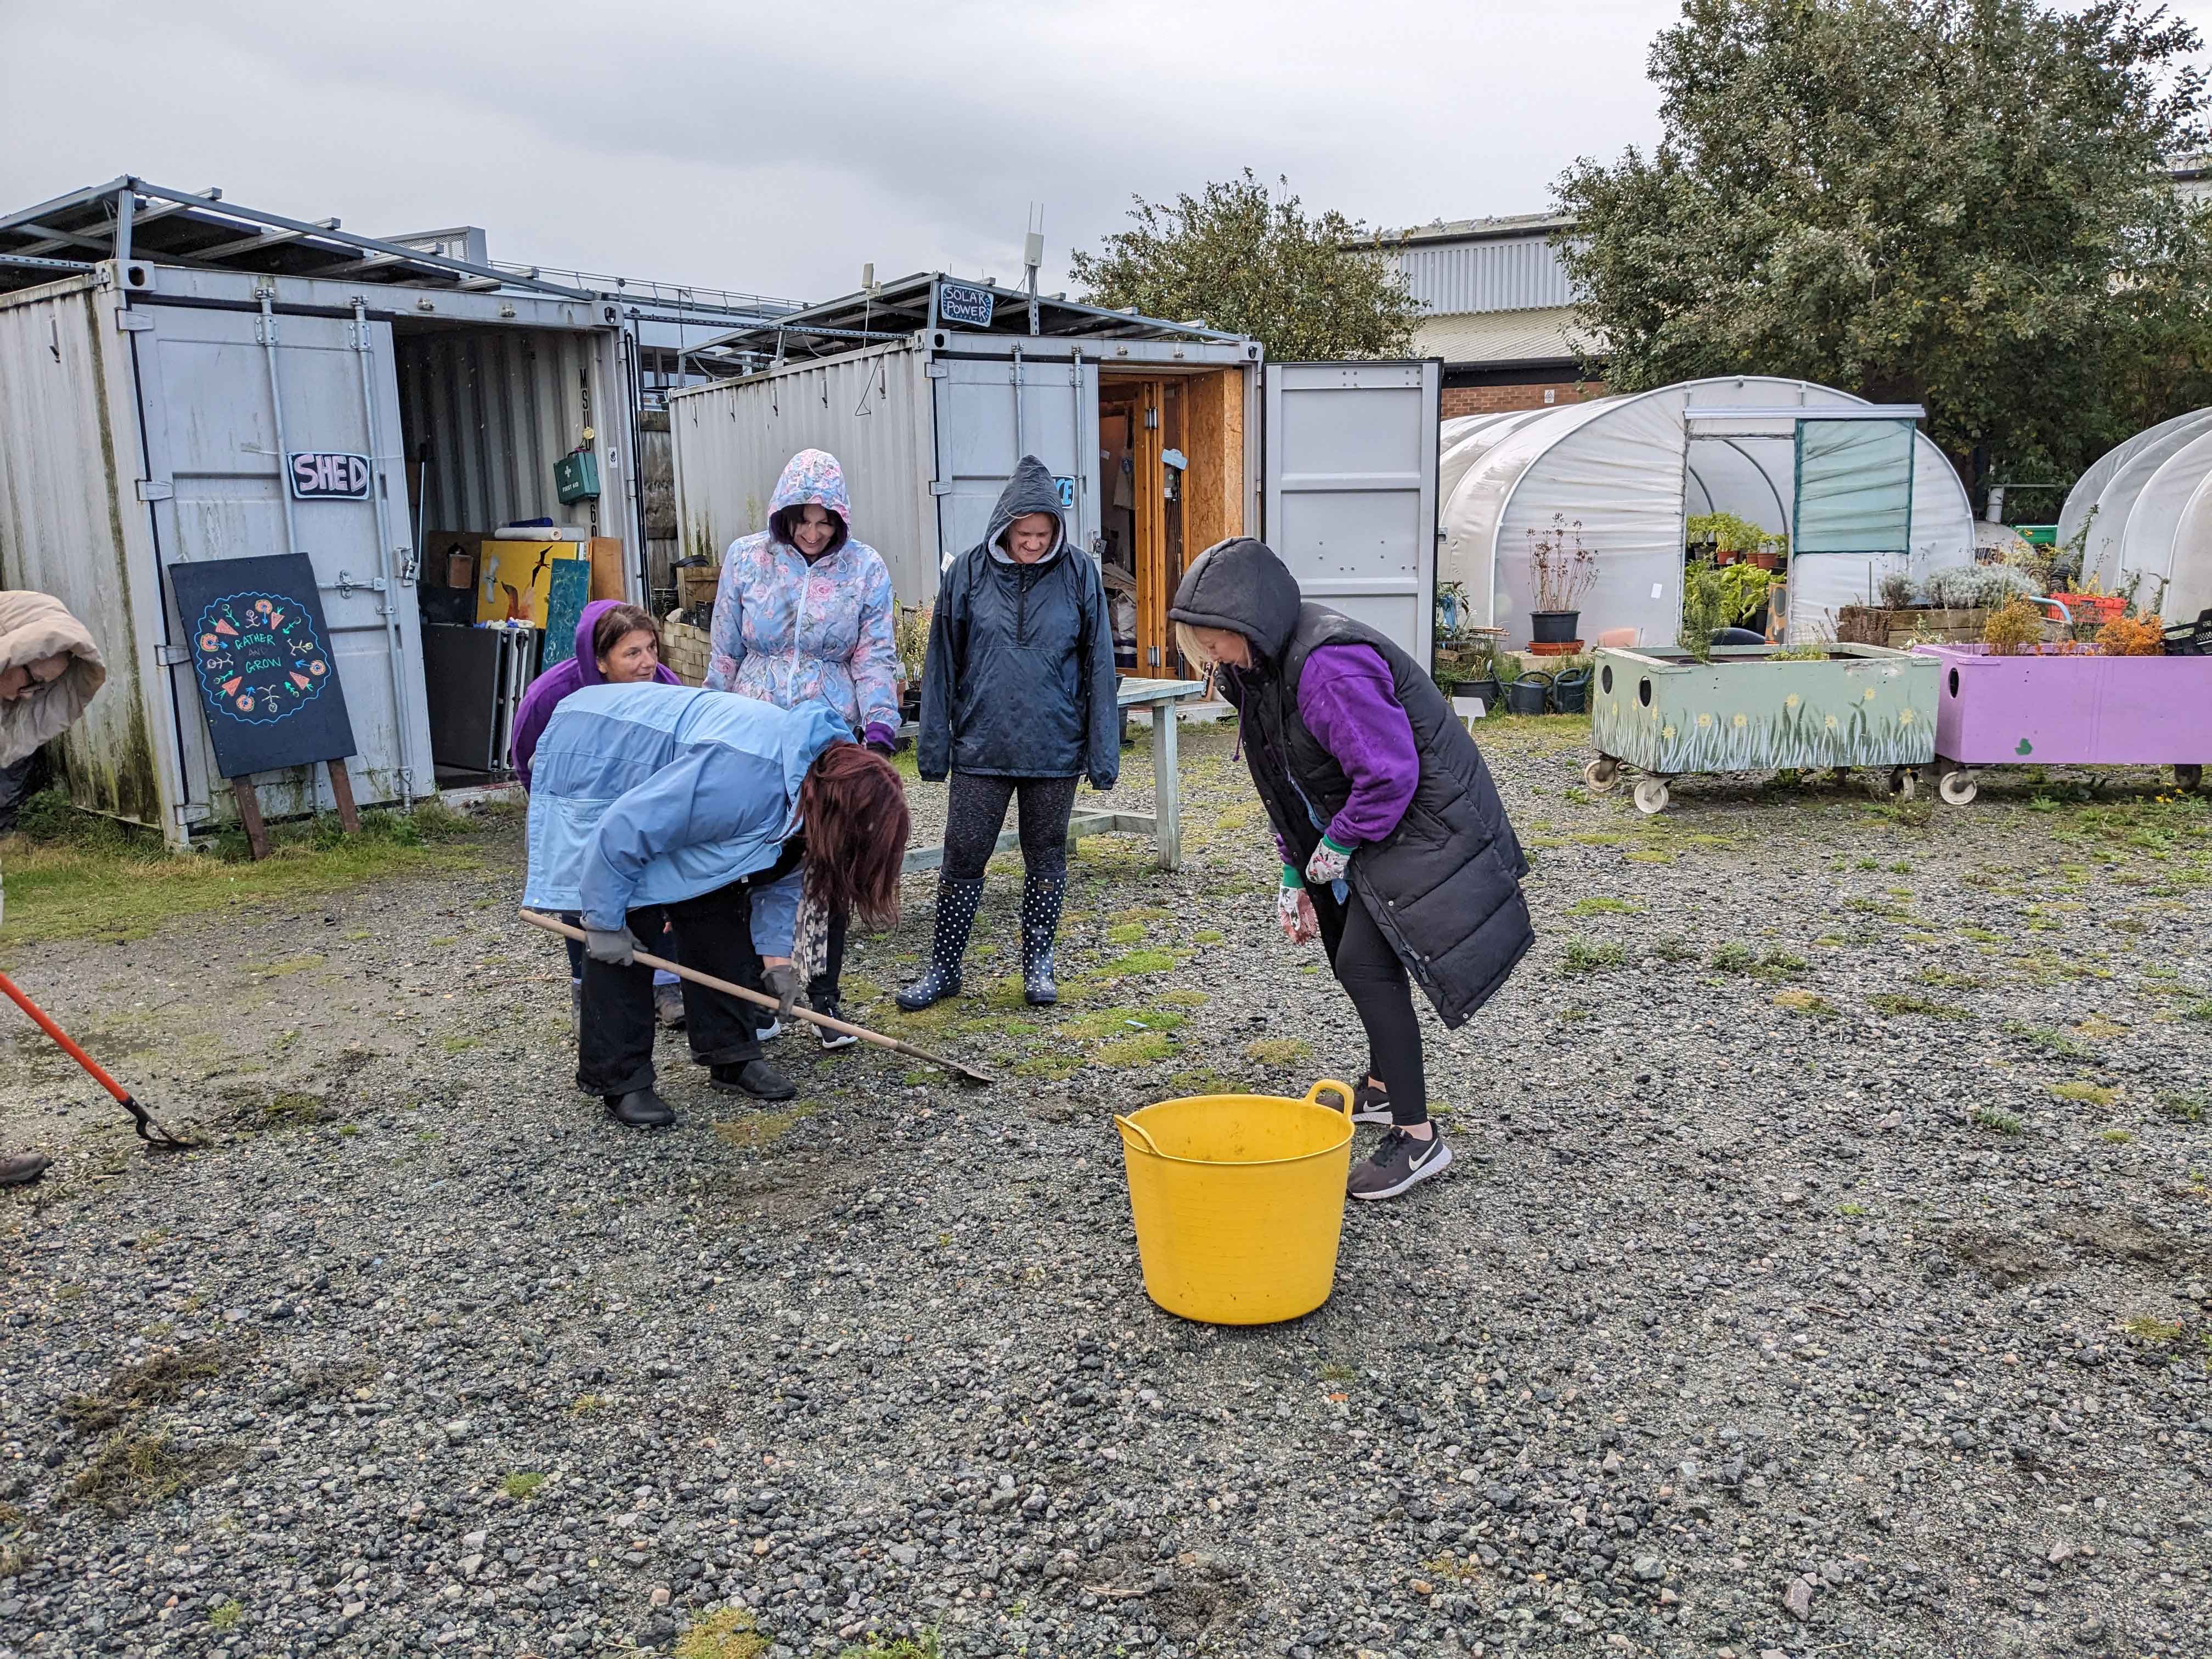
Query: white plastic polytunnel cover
(1632,468)
(2081,500)
(2108,558)
(2144,514)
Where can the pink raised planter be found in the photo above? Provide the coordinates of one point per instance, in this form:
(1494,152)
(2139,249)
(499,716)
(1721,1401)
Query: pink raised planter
(2046,709)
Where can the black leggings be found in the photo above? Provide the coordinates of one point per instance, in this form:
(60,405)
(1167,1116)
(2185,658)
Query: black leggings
(975,809)
(1375,980)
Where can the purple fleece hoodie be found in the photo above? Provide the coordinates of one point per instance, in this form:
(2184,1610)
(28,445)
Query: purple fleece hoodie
(558,681)
(1346,700)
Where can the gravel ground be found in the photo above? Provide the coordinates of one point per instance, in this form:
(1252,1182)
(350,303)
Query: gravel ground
(1825,1273)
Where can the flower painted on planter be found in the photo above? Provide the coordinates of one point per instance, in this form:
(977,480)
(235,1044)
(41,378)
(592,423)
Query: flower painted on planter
(1668,733)
(1742,721)
(1905,717)
(1792,700)
(1831,722)
(1869,693)
(1704,720)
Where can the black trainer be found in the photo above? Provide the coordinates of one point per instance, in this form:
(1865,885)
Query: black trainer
(640,1109)
(756,1078)
(956,899)
(829,1009)
(1399,1162)
(1370,1104)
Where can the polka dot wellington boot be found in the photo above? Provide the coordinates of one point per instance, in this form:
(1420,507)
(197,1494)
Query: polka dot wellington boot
(1041,900)
(956,899)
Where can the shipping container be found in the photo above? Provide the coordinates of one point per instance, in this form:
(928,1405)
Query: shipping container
(146,411)
(1166,438)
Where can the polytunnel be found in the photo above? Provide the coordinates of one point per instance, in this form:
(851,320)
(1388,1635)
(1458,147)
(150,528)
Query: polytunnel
(2102,554)
(2081,500)
(1858,497)
(2143,514)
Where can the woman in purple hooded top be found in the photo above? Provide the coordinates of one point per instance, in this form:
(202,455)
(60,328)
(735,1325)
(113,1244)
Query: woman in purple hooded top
(616,644)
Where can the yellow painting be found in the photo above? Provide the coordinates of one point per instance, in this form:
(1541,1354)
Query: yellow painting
(513,578)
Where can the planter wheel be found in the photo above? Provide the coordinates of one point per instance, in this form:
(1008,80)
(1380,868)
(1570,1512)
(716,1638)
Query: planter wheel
(1957,787)
(1651,795)
(2188,777)
(1602,774)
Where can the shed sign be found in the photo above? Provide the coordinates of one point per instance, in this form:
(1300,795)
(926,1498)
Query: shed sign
(320,475)
(959,303)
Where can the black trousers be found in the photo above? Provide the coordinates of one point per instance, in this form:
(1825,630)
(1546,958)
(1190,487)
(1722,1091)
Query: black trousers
(1375,980)
(976,810)
(714,933)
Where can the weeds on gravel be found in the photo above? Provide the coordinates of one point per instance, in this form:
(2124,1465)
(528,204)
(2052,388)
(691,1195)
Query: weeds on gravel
(2045,1037)
(1139,1050)
(2182,1108)
(137,1387)
(1809,1003)
(2117,1137)
(1993,1117)
(225,1615)
(132,1471)
(924,1646)
(521,1484)
(725,1633)
(1949,980)
(2087,1094)
(2146,1329)
(1584,957)
(1603,907)
(1896,1003)
(1276,1051)
(1737,957)
(1674,948)
(751,1133)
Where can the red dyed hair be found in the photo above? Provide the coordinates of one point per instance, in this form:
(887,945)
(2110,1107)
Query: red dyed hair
(853,809)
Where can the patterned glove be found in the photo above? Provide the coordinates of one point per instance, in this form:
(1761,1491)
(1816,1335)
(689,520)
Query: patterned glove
(1327,864)
(1294,909)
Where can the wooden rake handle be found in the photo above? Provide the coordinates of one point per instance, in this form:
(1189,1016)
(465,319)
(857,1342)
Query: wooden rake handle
(555,925)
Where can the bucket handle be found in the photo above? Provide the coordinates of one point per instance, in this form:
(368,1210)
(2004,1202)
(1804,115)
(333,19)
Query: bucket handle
(1314,1095)
(1129,1127)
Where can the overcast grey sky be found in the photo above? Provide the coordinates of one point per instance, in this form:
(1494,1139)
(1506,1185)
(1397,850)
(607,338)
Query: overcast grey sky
(776,149)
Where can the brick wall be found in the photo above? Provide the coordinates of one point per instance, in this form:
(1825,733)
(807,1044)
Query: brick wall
(1493,400)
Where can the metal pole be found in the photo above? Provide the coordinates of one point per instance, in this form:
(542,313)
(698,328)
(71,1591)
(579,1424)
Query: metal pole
(395,637)
(267,330)
(1020,450)
(126,203)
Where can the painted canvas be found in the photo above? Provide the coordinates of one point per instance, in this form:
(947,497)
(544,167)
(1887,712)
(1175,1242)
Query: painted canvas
(514,580)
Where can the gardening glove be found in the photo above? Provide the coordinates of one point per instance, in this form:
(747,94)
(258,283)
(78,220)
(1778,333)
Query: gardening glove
(1328,861)
(617,948)
(1294,909)
(783,984)
(880,739)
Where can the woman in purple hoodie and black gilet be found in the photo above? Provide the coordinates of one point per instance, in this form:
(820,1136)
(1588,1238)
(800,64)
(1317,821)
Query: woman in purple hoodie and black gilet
(1396,851)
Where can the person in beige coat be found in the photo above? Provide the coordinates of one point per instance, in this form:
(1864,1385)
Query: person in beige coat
(49,671)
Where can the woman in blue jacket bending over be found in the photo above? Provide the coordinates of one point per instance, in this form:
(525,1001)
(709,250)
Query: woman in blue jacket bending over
(1018,698)
(652,804)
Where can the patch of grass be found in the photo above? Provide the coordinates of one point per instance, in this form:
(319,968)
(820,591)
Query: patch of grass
(1896,1003)
(2089,1094)
(2199,1011)
(1983,936)
(522,1483)
(1334,1372)
(1583,956)
(2046,1038)
(1201,1081)
(1207,936)
(1602,906)
(1276,1051)
(225,1615)
(131,1471)
(1735,957)
(2117,1137)
(2098,1028)
(924,1646)
(1102,1022)
(724,1633)
(1185,998)
(1127,933)
(585,1404)
(1648,855)
(1947,980)
(150,1382)
(1142,961)
(1852,1208)
(1993,1117)
(2182,1108)
(758,1129)
(1808,1003)
(1142,1049)
(1049,1068)
(1674,948)
(2146,1329)
(456,1045)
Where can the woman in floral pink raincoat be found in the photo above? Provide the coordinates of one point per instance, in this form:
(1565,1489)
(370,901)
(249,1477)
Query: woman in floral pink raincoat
(804,614)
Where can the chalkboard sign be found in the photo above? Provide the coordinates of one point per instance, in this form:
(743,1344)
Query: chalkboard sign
(567,590)
(959,303)
(320,475)
(262,657)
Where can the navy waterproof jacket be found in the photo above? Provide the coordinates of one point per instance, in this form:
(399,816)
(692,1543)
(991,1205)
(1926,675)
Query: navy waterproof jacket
(1019,678)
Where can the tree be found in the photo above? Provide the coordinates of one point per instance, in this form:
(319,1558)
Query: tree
(1241,259)
(1962,203)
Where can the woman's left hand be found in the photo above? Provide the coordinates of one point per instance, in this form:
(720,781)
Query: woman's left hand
(1329,862)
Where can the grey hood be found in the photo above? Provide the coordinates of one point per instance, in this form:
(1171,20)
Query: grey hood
(1031,489)
(1241,586)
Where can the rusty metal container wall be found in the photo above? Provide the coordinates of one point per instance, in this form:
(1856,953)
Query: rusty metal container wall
(71,525)
(869,410)
(502,406)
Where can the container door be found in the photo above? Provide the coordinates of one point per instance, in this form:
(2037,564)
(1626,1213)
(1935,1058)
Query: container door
(212,441)
(1351,489)
(990,414)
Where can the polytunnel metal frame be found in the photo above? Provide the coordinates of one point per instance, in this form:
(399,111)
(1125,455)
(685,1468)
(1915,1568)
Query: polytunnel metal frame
(1581,418)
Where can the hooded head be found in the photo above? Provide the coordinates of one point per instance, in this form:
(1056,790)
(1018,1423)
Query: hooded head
(1240,585)
(587,640)
(51,668)
(811,478)
(1031,489)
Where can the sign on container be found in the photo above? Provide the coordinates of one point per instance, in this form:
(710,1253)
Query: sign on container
(320,475)
(959,303)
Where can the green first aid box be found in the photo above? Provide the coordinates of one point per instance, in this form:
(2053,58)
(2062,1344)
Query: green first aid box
(577,477)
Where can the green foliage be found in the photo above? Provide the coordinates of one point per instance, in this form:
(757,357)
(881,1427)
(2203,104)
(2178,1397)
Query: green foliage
(724,1633)
(1583,958)
(1957,202)
(1715,597)
(1730,534)
(1242,259)
(1993,1117)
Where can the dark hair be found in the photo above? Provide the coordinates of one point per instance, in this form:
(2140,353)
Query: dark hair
(851,808)
(622,620)
(785,519)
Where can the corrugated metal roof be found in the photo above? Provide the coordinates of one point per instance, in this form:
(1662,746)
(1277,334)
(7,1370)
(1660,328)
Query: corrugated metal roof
(1496,338)
(1469,230)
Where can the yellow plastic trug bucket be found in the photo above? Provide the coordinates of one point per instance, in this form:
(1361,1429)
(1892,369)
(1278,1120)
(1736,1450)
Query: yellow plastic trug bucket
(1239,1201)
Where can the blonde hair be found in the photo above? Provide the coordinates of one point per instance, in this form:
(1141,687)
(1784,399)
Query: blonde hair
(1187,638)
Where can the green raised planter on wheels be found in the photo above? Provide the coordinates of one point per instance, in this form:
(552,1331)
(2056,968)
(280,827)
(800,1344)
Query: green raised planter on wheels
(1665,714)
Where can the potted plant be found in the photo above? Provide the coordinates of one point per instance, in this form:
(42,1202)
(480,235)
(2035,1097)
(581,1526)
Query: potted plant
(1564,569)
(910,636)
(1728,538)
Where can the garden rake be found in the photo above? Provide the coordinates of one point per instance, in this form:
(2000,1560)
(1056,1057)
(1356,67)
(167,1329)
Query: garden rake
(156,1137)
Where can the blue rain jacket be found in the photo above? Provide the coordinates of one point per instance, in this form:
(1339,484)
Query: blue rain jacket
(645,794)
